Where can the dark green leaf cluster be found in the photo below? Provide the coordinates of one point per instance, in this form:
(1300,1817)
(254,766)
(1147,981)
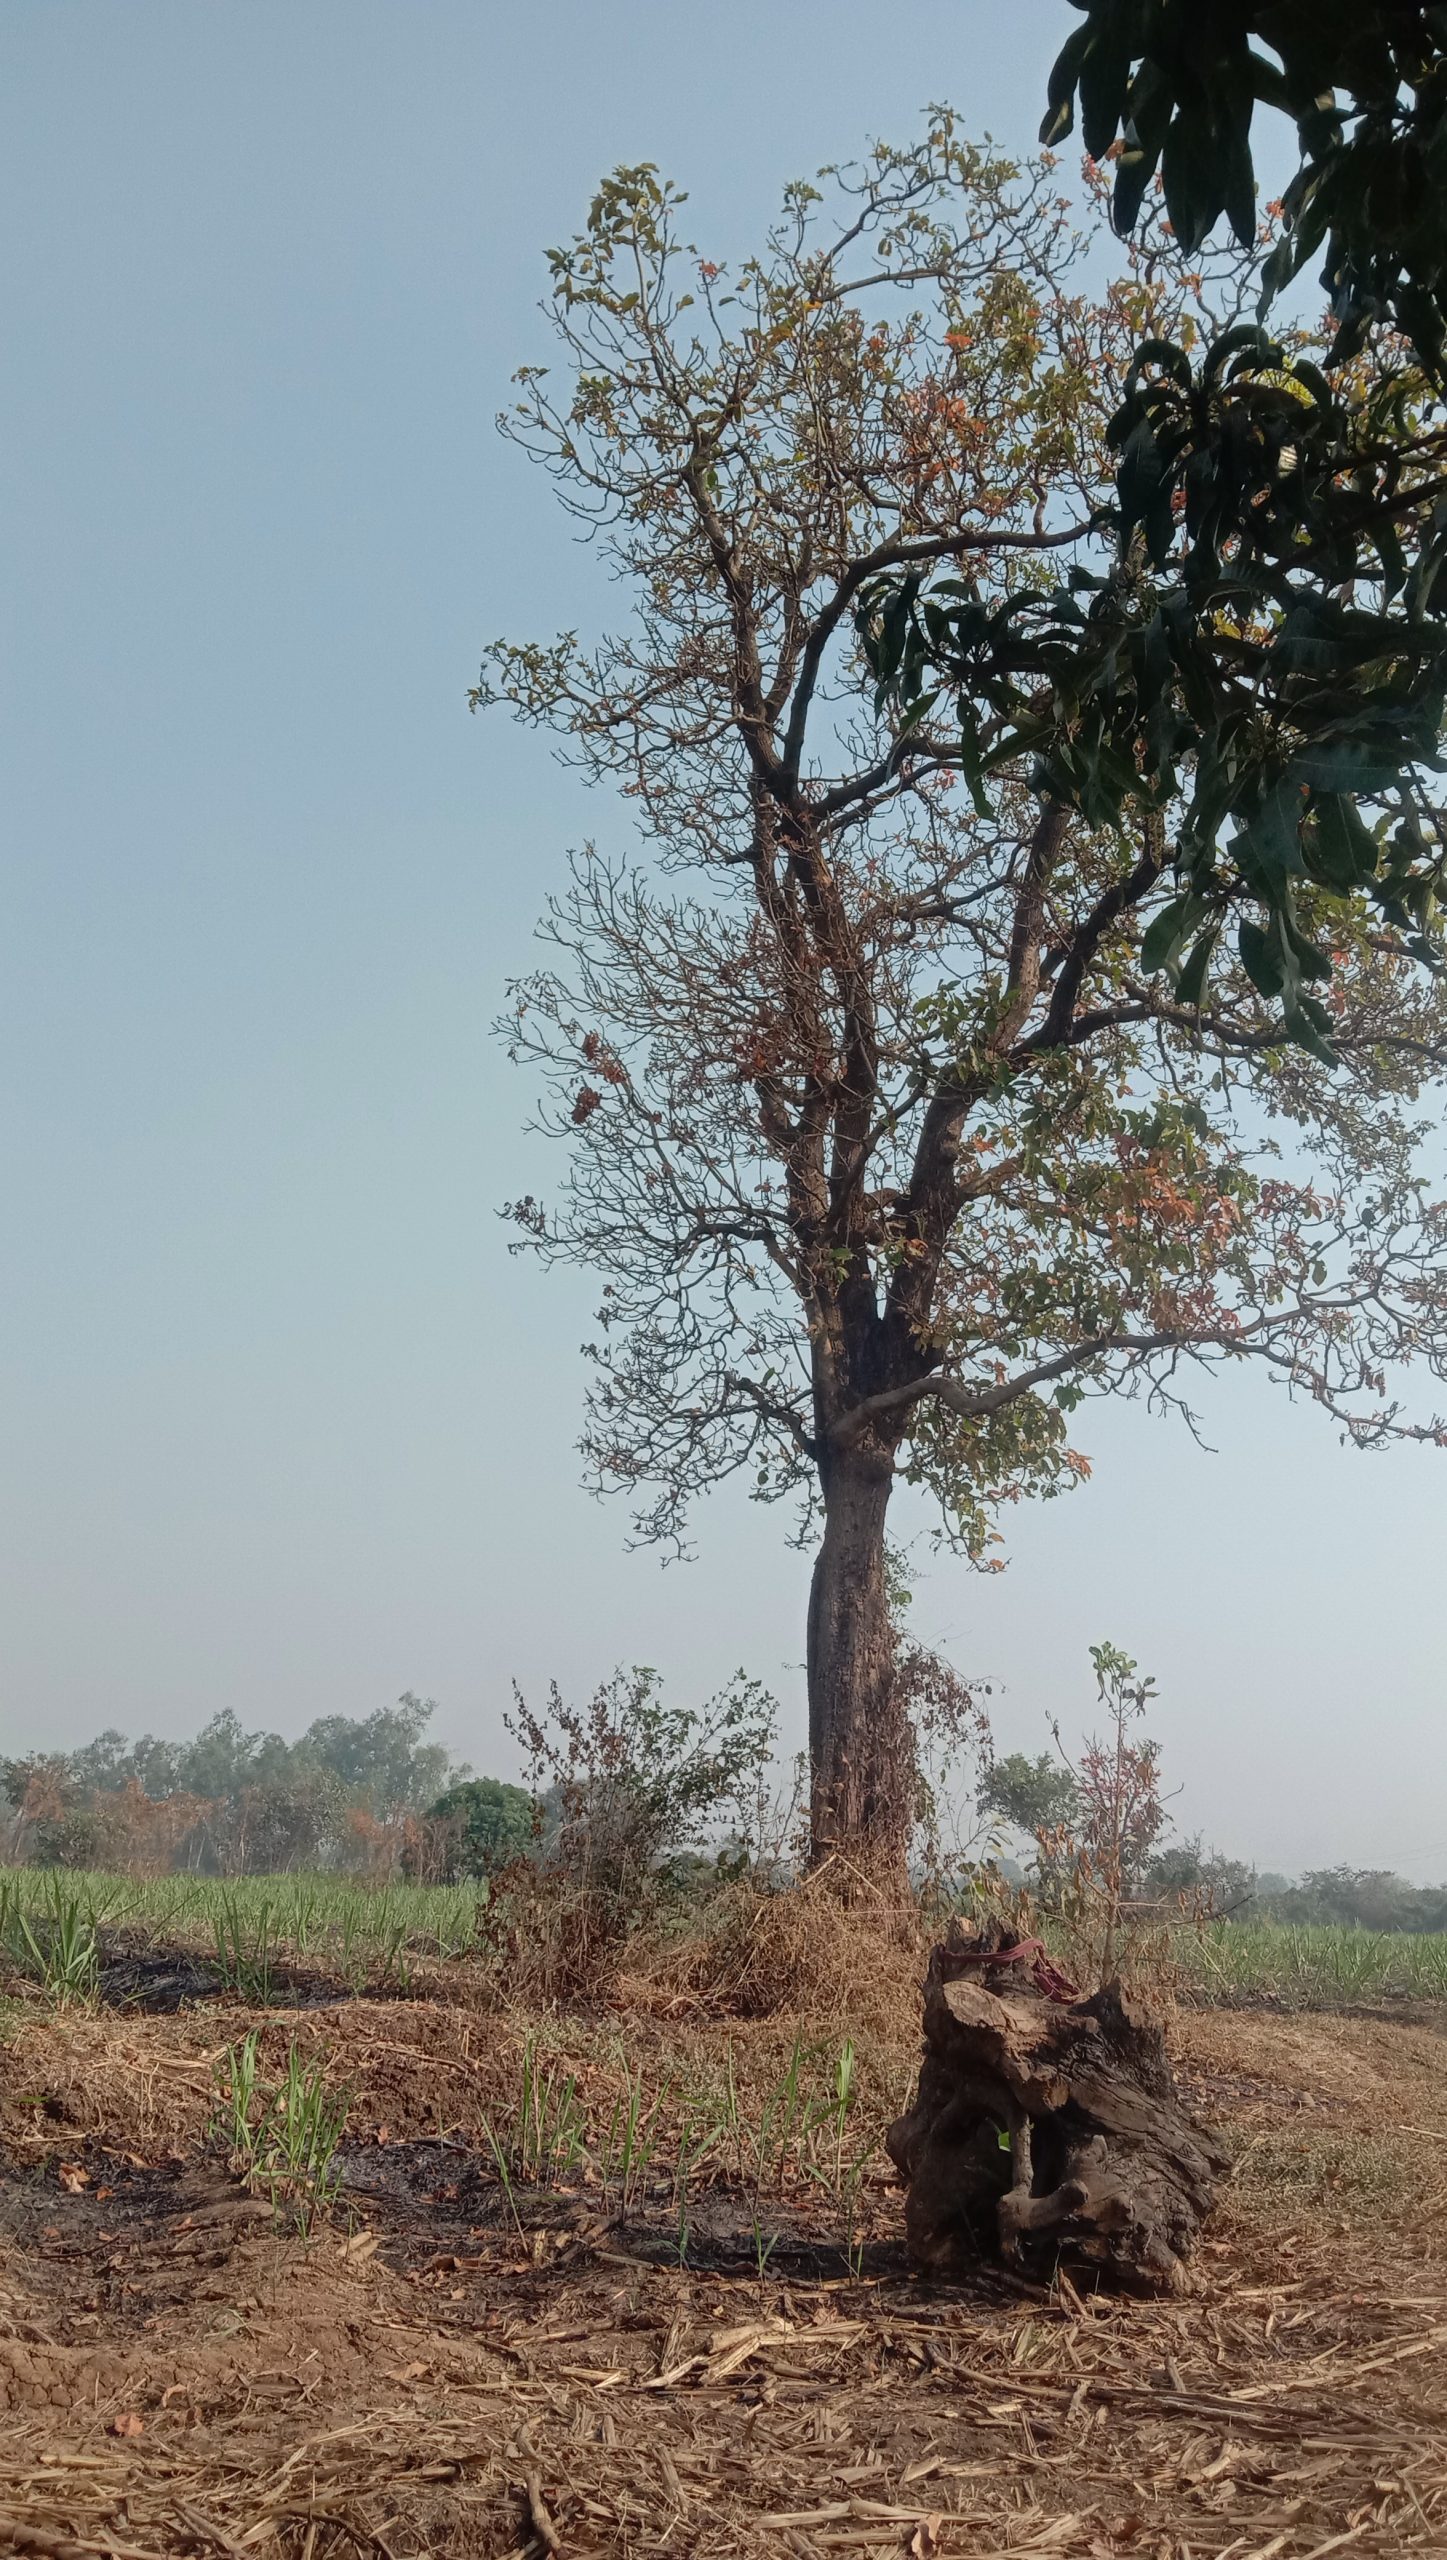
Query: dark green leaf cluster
(1267,645)
(1365,82)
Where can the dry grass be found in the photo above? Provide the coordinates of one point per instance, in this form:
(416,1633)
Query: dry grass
(787,1955)
(448,2368)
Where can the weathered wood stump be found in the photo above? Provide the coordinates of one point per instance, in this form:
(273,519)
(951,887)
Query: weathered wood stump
(1046,2128)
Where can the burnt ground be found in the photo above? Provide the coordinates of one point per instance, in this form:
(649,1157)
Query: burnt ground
(134,1974)
(453,2365)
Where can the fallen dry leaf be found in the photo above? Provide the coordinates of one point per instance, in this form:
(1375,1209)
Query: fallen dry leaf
(72,2177)
(128,2425)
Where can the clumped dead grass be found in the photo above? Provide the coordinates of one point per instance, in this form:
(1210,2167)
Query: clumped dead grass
(796,1954)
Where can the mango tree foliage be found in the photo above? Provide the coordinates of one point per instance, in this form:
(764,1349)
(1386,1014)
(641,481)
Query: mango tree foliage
(888,1140)
(1173,89)
(1263,627)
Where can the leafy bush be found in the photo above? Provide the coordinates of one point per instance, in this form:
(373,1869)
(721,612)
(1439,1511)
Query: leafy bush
(491,1823)
(637,1785)
(632,1792)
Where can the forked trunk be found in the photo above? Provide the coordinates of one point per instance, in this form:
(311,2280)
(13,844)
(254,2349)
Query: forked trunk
(860,1747)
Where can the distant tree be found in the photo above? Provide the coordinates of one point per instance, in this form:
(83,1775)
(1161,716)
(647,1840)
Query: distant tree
(494,1822)
(887,1132)
(383,1759)
(223,1758)
(1227,1887)
(282,1824)
(1361,1898)
(111,1760)
(75,1837)
(240,1801)
(1035,1795)
(38,1782)
(1269,1884)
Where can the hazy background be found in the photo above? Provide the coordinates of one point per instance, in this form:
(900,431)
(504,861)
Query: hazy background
(285,1428)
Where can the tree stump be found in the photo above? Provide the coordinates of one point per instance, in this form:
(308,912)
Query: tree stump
(1046,2128)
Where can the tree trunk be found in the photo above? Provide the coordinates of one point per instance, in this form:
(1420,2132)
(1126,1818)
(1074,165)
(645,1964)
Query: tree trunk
(1047,2127)
(861,1752)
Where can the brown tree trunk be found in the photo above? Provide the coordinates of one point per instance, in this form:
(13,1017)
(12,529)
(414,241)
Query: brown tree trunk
(861,1752)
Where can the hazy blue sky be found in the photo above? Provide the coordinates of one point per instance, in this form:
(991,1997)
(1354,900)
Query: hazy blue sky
(285,1429)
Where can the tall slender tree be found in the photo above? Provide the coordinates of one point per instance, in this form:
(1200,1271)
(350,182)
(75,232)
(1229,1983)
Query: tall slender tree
(888,1143)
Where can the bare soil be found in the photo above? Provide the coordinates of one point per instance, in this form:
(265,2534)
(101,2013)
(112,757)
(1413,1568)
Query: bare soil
(443,2369)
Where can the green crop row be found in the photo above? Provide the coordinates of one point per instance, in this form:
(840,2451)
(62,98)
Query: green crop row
(246,1925)
(1311,1967)
(253,1927)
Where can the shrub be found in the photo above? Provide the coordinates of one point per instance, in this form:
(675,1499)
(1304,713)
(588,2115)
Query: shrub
(631,1791)
(490,1822)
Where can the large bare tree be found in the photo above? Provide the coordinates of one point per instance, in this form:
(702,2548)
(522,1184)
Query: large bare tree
(887,1146)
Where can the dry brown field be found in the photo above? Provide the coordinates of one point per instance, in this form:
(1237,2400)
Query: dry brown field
(457,2361)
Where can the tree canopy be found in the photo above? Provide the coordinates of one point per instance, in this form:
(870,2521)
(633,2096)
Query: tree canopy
(1034,1795)
(495,1822)
(897,1113)
(1263,628)
(1253,620)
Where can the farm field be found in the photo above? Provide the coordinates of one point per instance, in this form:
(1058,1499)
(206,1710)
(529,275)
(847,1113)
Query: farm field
(632,2280)
(374,1934)
(734,859)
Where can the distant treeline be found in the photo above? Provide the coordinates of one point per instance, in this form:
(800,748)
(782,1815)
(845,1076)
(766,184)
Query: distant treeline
(365,1794)
(1353,1897)
(1041,1799)
(1335,1897)
(372,1796)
